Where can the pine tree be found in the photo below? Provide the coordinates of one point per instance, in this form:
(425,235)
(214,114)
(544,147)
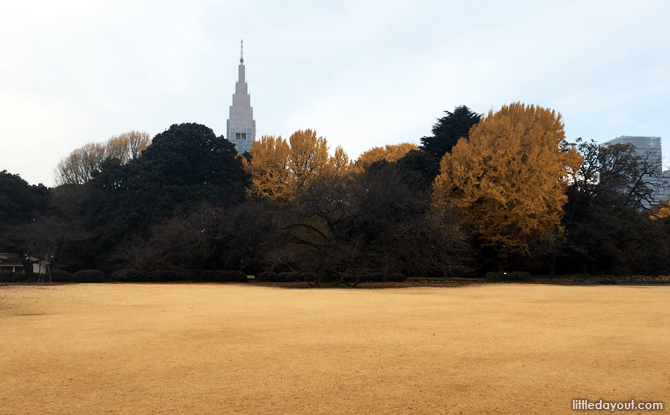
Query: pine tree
(448,130)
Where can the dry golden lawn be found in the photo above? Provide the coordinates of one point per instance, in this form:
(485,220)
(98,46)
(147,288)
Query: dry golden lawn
(226,348)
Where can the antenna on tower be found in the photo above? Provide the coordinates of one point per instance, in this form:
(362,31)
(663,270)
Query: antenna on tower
(242,51)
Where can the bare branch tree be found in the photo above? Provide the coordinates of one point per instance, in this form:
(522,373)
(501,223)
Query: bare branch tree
(78,167)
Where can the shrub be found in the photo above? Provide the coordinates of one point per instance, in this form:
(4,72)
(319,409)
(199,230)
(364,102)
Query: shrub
(208,275)
(22,277)
(287,277)
(267,276)
(352,278)
(372,275)
(168,275)
(305,276)
(88,275)
(330,276)
(184,274)
(238,276)
(508,276)
(193,274)
(161,275)
(397,277)
(7,276)
(60,275)
(127,275)
(223,276)
(492,276)
(367,275)
(279,268)
(521,276)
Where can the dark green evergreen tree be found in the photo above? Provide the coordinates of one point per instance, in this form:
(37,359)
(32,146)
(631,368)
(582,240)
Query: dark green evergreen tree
(421,163)
(185,165)
(20,201)
(448,130)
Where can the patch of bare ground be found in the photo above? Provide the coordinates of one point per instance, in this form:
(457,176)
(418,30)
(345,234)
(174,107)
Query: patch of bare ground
(249,349)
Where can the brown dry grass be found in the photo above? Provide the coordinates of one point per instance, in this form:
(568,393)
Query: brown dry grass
(225,348)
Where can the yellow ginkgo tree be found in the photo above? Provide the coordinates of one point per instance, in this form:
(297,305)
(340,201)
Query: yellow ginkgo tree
(280,168)
(269,168)
(509,179)
(390,152)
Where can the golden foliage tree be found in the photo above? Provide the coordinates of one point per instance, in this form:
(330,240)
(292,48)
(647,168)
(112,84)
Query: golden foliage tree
(78,167)
(280,168)
(509,180)
(269,168)
(390,152)
(127,146)
(340,163)
(308,157)
(662,210)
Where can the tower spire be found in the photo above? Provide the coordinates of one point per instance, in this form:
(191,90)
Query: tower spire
(241,128)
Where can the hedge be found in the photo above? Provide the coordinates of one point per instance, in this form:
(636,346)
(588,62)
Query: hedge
(88,275)
(127,275)
(331,277)
(223,276)
(8,276)
(508,276)
(60,275)
(157,275)
(267,276)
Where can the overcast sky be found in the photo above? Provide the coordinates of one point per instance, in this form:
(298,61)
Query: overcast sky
(362,73)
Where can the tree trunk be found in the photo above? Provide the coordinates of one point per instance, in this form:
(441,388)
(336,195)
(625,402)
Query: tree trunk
(552,265)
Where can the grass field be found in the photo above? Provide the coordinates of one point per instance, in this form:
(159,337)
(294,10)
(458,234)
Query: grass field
(226,348)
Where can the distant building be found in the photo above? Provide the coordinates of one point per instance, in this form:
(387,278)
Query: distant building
(241,128)
(10,263)
(645,147)
(14,263)
(649,149)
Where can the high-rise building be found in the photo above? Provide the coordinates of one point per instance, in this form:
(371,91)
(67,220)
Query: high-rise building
(649,151)
(648,148)
(241,127)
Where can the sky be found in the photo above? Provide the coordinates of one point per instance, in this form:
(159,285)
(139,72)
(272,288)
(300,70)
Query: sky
(362,73)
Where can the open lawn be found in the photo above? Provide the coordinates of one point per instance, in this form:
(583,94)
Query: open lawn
(227,348)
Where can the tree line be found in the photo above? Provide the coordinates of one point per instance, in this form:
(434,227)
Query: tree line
(500,192)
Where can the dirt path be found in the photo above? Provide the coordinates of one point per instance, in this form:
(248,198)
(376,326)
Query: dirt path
(218,349)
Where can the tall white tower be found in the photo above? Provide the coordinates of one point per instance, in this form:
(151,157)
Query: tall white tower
(241,124)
